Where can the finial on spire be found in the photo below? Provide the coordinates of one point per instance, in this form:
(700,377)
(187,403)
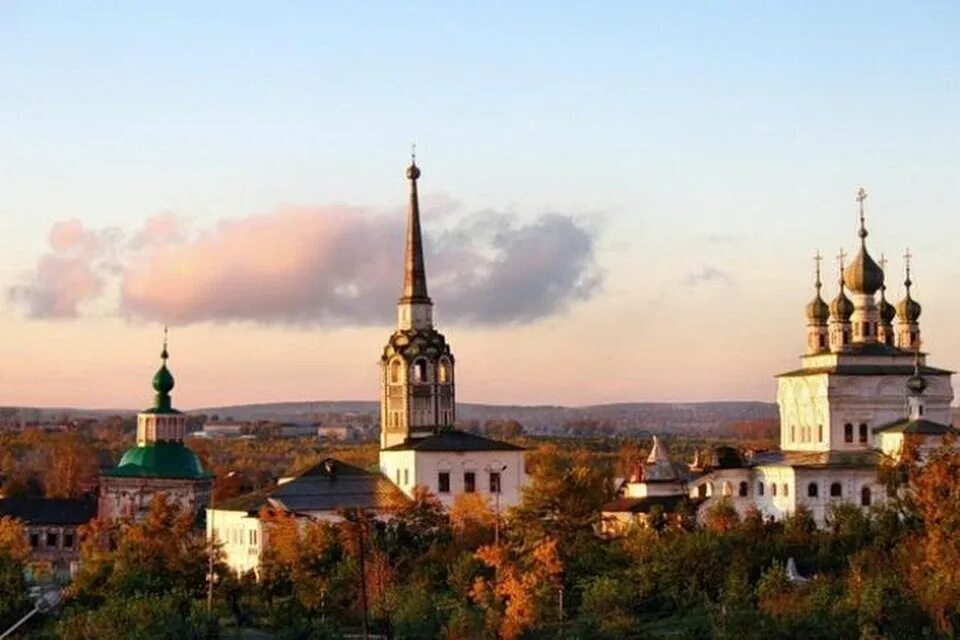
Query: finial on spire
(840,257)
(907,257)
(413,171)
(817,259)
(164,354)
(861,196)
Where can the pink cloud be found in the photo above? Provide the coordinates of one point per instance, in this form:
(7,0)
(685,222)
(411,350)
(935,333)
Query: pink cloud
(317,266)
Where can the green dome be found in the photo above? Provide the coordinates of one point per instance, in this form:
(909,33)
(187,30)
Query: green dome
(163,380)
(160,460)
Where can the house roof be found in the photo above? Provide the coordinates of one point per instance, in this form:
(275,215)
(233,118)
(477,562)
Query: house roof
(453,440)
(818,459)
(867,370)
(330,485)
(919,427)
(49,510)
(643,505)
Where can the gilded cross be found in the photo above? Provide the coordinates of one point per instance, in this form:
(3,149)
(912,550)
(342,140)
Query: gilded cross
(413,153)
(817,259)
(906,261)
(840,257)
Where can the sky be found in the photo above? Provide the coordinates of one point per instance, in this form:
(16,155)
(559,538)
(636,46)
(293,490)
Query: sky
(620,201)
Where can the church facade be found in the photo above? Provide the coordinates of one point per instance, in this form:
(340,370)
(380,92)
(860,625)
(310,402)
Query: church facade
(863,386)
(159,463)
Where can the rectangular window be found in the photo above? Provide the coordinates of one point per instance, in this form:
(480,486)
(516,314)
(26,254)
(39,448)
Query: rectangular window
(469,481)
(34,540)
(398,477)
(68,540)
(406,477)
(52,539)
(494,482)
(443,482)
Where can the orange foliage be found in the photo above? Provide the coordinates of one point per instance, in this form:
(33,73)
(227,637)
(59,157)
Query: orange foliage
(472,519)
(519,594)
(13,539)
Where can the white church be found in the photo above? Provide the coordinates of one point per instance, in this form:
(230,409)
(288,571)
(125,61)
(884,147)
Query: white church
(419,444)
(863,387)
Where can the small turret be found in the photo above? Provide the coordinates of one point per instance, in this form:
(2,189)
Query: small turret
(840,311)
(818,315)
(908,314)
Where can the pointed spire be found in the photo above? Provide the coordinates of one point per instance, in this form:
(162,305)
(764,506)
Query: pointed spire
(414,273)
(817,310)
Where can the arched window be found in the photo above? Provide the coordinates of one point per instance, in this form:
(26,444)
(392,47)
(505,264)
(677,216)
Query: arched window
(744,489)
(865,496)
(848,432)
(702,491)
(759,488)
(773,489)
(819,433)
(786,490)
(395,372)
(709,488)
(863,432)
(443,372)
(813,490)
(793,433)
(420,370)
(727,489)
(836,490)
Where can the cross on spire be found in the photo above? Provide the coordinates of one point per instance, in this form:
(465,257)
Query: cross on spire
(840,257)
(907,257)
(861,196)
(413,153)
(817,259)
(164,354)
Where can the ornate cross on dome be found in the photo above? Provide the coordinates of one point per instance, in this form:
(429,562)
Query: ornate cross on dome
(413,153)
(906,261)
(861,196)
(817,259)
(840,257)
(164,354)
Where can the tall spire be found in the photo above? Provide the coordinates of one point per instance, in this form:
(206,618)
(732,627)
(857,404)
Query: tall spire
(414,274)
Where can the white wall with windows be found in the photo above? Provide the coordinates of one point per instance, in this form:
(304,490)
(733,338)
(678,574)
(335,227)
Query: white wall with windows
(447,474)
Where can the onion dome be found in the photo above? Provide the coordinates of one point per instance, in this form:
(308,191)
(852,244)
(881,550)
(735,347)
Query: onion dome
(908,309)
(163,381)
(863,275)
(817,310)
(916,384)
(841,308)
(887,310)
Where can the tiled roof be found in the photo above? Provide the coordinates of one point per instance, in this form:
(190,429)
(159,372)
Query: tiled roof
(49,510)
(453,440)
(328,486)
(919,427)
(850,459)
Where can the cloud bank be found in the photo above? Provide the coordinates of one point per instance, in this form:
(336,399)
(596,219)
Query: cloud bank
(314,266)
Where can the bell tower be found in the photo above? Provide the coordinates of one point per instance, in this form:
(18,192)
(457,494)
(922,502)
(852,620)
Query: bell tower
(416,367)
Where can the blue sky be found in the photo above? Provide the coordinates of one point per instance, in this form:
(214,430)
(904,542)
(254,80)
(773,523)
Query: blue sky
(685,136)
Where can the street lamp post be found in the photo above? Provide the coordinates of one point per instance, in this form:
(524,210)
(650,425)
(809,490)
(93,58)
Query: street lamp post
(496,499)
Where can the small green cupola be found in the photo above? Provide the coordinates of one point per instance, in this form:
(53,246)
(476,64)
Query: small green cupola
(163,381)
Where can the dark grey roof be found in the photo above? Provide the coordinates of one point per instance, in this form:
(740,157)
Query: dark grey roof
(328,486)
(919,427)
(453,440)
(49,510)
(643,505)
(816,459)
(868,370)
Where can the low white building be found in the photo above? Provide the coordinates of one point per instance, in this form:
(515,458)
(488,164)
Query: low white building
(321,493)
